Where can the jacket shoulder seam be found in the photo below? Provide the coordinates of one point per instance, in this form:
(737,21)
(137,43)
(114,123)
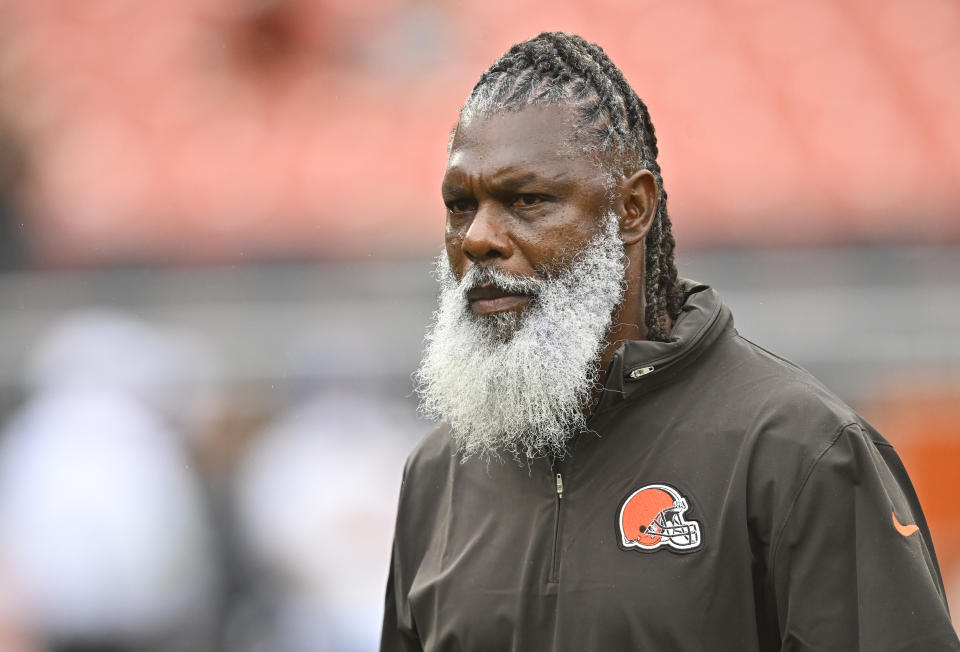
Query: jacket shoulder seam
(778,538)
(773,355)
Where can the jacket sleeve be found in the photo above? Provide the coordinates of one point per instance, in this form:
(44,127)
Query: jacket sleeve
(853,565)
(398,634)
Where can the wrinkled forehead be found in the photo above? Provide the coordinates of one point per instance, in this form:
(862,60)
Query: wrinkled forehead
(529,136)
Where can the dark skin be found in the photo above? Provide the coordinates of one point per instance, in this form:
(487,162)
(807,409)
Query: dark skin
(523,198)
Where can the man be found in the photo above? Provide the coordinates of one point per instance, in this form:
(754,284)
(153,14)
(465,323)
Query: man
(617,468)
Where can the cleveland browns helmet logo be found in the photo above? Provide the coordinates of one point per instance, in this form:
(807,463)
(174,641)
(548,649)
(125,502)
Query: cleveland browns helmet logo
(652,518)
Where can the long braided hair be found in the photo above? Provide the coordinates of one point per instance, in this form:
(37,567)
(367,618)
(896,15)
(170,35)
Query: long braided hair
(556,68)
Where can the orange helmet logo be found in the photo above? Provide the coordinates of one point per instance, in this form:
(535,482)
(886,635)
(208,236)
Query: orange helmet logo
(652,517)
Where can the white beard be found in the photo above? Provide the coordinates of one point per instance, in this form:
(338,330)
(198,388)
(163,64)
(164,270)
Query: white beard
(520,382)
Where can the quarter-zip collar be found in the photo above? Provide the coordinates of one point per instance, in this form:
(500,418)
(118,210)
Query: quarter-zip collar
(643,364)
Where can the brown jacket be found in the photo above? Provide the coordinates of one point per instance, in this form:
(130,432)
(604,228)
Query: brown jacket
(725,501)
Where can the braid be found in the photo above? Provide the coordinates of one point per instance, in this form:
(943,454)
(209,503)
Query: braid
(556,67)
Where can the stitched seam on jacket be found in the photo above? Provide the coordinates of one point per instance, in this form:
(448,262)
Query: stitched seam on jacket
(778,540)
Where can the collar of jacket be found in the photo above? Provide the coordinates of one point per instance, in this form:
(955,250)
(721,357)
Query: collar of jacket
(642,364)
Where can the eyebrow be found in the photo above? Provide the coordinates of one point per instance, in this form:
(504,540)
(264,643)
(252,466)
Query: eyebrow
(513,182)
(507,182)
(451,189)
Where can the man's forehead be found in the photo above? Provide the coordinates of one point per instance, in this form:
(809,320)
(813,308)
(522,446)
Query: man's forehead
(533,140)
(534,124)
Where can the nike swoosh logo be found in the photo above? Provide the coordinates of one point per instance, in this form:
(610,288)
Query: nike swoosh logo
(905,530)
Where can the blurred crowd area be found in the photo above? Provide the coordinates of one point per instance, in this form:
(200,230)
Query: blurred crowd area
(199,130)
(217,220)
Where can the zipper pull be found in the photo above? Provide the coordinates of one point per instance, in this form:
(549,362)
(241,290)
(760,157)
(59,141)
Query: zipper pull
(559,486)
(639,373)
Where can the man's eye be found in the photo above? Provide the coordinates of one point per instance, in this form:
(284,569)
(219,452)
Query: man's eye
(461,205)
(528,200)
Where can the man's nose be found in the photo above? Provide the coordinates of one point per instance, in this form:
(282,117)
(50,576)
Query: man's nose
(487,236)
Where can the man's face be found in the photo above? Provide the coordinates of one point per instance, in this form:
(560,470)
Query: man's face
(534,269)
(521,198)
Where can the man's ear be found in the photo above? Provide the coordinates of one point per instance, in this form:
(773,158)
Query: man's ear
(637,205)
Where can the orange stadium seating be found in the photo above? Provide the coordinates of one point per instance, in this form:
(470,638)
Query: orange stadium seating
(217,130)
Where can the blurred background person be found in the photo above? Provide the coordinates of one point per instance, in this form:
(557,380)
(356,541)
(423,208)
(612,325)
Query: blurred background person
(101,516)
(315,507)
(217,221)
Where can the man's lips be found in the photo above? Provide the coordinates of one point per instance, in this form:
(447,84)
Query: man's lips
(489,299)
